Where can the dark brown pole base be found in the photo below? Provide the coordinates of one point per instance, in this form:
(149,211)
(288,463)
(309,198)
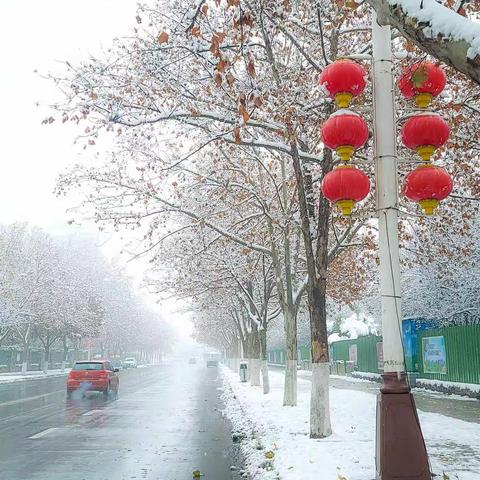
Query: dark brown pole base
(401,452)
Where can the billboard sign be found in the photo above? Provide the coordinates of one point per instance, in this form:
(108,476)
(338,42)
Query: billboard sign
(434,355)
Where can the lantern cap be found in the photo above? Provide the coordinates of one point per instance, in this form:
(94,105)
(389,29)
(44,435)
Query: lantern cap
(346,207)
(429,205)
(345,152)
(343,99)
(423,100)
(426,152)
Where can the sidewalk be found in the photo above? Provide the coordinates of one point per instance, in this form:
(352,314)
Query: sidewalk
(455,406)
(276,443)
(10,377)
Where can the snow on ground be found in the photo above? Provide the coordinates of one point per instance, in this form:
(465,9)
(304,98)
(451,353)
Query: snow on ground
(266,427)
(369,376)
(22,377)
(350,379)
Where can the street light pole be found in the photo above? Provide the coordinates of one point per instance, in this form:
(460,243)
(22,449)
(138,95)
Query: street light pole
(400,448)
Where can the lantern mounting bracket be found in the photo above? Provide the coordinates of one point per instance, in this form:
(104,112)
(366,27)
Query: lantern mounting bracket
(367,56)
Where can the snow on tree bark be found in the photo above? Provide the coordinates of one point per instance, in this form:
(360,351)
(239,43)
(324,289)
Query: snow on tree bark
(437,30)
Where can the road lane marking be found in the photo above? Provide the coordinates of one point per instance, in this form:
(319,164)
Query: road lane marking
(43,433)
(28,399)
(91,412)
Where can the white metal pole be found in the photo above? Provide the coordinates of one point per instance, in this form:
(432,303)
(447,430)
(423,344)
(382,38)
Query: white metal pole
(387,197)
(401,452)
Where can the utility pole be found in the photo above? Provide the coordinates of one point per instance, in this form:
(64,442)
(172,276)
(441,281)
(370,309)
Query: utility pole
(400,448)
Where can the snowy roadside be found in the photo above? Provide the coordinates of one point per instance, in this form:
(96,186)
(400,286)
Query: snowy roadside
(37,375)
(266,427)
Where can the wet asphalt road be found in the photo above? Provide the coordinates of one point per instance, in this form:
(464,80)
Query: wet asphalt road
(165,424)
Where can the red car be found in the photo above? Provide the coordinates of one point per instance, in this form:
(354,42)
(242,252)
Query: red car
(93,375)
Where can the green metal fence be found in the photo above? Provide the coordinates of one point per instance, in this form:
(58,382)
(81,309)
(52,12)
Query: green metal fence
(362,350)
(450,353)
(278,355)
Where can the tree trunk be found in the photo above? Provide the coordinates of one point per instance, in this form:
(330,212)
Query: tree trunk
(46,355)
(65,348)
(75,353)
(264,366)
(319,403)
(317,263)
(238,348)
(290,390)
(320,406)
(255,361)
(13,361)
(25,354)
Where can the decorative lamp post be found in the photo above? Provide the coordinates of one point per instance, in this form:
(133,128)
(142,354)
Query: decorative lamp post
(425,133)
(343,80)
(400,449)
(345,132)
(401,453)
(427,185)
(344,186)
(422,81)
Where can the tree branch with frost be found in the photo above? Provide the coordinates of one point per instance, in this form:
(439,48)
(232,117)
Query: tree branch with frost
(346,236)
(435,29)
(194,216)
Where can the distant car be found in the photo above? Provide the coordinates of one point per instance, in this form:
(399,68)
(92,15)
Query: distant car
(117,364)
(212,363)
(130,362)
(192,361)
(93,375)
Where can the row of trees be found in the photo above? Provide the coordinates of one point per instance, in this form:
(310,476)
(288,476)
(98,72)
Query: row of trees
(217,165)
(60,292)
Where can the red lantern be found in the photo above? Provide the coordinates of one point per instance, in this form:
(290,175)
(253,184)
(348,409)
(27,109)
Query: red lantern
(428,185)
(344,186)
(345,132)
(425,133)
(343,80)
(422,81)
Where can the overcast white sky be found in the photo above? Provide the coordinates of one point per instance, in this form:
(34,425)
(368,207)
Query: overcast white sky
(37,35)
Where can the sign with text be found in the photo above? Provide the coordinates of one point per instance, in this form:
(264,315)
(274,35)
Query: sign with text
(434,355)
(380,355)
(353,353)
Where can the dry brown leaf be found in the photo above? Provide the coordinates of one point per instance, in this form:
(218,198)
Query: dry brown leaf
(257,101)
(163,37)
(230,79)
(218,79)
(251,69)
(243,112)
(221,66)
(236,135)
